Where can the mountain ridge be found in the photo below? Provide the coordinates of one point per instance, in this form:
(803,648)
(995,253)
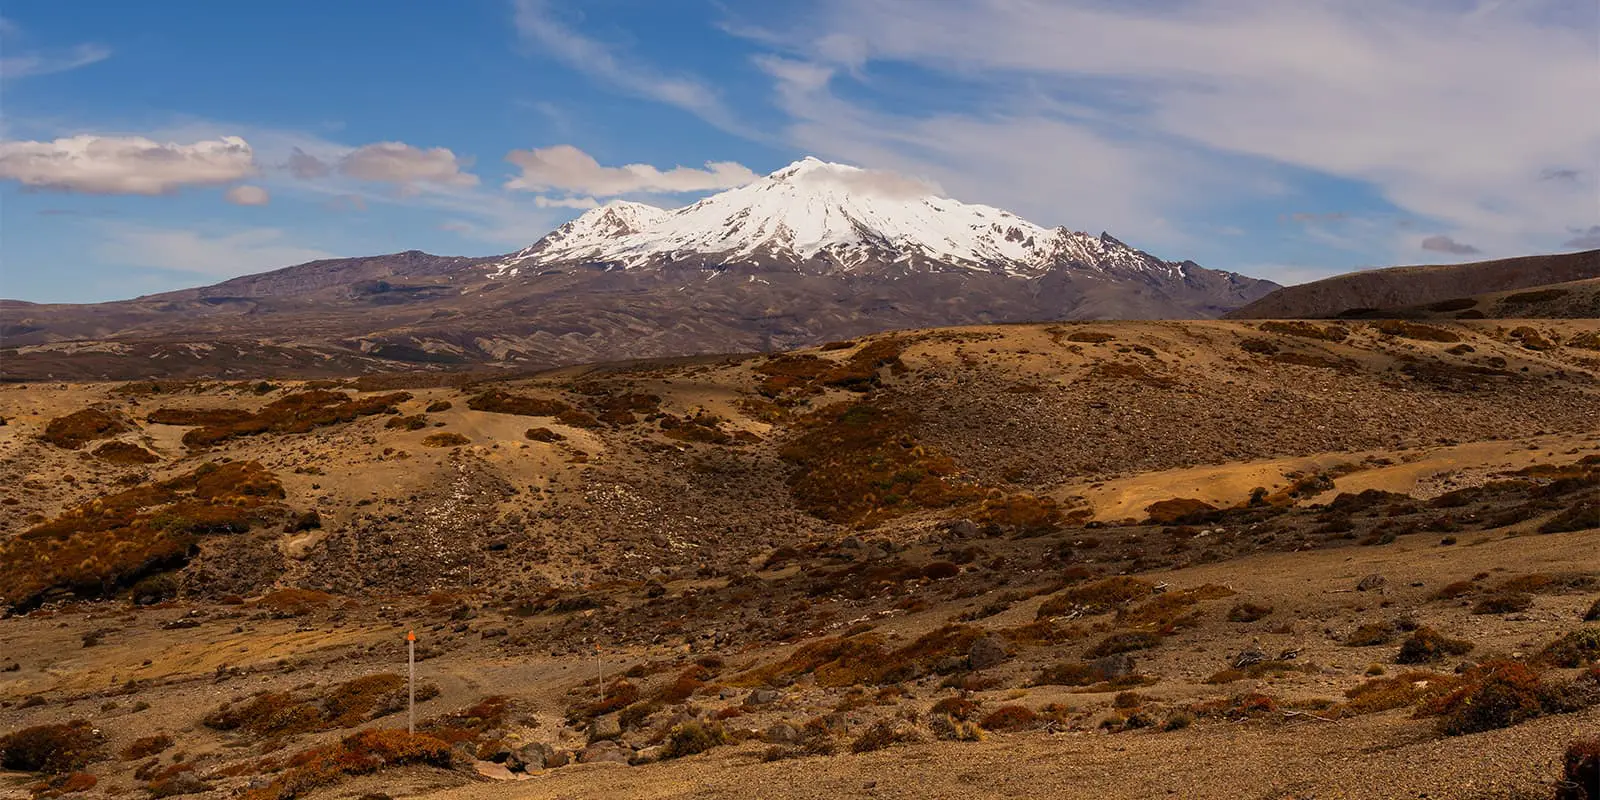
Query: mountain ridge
(811,253)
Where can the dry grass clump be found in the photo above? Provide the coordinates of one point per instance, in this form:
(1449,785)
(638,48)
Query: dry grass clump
(861,463)
(81,427)
(296,413)
(1096,598)
(1010,718)
(345,705)
(1125,642)
(56,749)
(1573,649)
(1248,612)
(1171,611)
(1593,614)
(693,736)
(113,541)
(884,733)
(1307,330)
(1451,591)
(1022,513)
(958,707)
(363,753)
(1426,645)
(1399,691)
(439,405)
(445,439)
(1412,330)
(125,453)
(1237,707)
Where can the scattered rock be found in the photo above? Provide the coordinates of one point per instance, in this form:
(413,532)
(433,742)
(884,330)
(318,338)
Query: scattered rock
(987,652)
(1372,582)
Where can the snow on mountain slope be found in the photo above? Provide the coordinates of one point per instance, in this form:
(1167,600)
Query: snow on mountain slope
(831,216)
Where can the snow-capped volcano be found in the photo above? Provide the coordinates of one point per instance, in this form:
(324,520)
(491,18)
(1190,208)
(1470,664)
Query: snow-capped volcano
(829,217)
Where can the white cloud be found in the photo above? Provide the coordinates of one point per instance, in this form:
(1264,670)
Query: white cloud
(537,26)
(565,202)
(125,164)
(1425,102)
(566,168)
(398,162)
(227,254)
(247,196)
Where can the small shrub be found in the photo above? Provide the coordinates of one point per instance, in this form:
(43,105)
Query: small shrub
(1495,694)
(1371,634)
(1580,772)
(940,570)
(1451,591)
(959,708)
(1239,706)
(1009,718)
(56,748)
(951,729)
(445,439)
(1096,598)
(543,435)
(145,746)
(1574,649)
(692,737)
(363,753)
(1593,614)
(439,405)
(1426,645)
(1177,721)
(414,422)
(884,733)
(81,427)
(1248,612)
(1503,603)
(1070,673)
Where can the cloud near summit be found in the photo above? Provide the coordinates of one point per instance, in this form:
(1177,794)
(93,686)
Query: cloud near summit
(566,168)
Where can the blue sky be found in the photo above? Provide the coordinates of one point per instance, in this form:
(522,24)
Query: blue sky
(147,147)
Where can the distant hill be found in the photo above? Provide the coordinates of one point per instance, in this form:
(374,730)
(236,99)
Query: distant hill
(1380,291)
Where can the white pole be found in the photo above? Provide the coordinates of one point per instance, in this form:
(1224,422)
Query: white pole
(411,664)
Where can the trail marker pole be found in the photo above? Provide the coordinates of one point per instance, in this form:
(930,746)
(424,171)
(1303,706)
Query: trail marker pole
(411,665)
(599,671)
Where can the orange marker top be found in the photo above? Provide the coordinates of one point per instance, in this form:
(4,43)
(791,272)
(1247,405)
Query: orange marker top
(411,636)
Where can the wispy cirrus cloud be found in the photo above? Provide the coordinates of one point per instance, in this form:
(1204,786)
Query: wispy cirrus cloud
(538,24)
(222,254)
(29,63)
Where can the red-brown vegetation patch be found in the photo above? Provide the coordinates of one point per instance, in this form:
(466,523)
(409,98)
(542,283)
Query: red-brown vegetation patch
(1307,330)
(1412,330)
(862,463)
(1580,771)
(445,439)
(343,705)
(1125,642)
(1170,611)
(543,435)
(145,746)
(1248,612)
(864,659)
(412,422)
(113,541)
(197,416)
(125,453)
(1181,511)
(1090,337)
(296,413)
(364,753)
(1237,707)
(503,402)
(81,427)
(1023,514)
(1010,718)
(1499,694)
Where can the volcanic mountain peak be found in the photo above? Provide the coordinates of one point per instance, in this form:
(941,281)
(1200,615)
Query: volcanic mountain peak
(831,216)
